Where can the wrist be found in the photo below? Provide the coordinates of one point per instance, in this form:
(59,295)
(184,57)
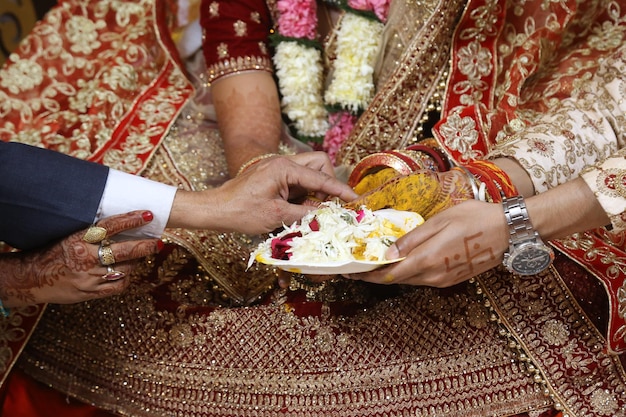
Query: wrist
(194,210)
(253,161)
(527,253)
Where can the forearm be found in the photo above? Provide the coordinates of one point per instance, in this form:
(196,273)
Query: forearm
(248,114)
(18,277)
(518,175)
(197,210)
(566,209)
(45,195)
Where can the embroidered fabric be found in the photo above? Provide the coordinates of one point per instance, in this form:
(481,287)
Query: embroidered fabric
(197,335)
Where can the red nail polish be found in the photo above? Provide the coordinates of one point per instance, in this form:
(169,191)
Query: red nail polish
(160,245)
(147,216)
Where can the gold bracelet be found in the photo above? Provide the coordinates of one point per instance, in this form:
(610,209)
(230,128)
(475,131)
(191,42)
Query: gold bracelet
(254,161)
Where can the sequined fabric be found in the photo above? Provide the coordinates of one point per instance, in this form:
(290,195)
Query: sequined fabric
(196,335)
(156,352)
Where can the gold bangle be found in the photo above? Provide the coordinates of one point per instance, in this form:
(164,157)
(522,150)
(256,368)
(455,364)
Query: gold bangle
(254,161)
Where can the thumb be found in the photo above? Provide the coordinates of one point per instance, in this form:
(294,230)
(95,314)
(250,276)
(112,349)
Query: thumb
(392,252)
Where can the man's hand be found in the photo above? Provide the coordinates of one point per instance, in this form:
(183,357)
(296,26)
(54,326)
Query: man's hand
(263,197)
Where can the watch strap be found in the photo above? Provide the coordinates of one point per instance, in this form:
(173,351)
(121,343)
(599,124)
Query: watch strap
(520,226)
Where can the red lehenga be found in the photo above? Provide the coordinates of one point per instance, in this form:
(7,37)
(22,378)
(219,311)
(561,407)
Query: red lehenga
(196,335)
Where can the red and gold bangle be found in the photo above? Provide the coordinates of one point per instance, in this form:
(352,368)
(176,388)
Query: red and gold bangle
(439,158)
(497,175)
(492,191)
(253,161)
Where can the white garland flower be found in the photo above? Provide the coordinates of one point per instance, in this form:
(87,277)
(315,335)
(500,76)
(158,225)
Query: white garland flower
(300,78)
(358,43)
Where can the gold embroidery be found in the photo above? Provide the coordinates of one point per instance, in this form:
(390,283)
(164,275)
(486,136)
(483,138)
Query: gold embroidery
(555,332)
(214,9)
(234,65)
(222,50)
(393,119)
(275,359)
(241,28)
(562,364)
(613,182)
(255,17)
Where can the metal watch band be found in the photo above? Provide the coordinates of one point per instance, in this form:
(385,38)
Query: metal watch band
(520,227)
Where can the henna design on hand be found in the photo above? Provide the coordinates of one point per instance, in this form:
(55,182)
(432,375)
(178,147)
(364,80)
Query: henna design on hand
(465,264)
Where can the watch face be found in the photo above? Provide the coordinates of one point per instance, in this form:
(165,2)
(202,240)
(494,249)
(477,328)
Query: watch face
(530,258)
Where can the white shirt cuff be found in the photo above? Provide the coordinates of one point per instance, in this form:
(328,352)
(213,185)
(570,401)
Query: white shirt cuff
(125,192)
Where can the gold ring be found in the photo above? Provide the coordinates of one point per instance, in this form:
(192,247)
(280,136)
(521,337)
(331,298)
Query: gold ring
(112,274)
(105,253)
(95,234)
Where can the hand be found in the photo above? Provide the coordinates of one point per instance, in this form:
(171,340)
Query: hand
(263,197)
(452,246)
(70,271)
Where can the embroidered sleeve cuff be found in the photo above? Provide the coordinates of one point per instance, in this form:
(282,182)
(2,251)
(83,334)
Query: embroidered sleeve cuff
(608,182)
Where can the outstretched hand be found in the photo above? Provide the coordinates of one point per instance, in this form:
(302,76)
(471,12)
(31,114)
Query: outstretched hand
(265,196)
(272,188)
(70,271)
(452,246)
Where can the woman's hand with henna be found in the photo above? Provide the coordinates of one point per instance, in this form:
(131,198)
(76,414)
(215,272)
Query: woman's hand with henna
(450,247)
(71,271)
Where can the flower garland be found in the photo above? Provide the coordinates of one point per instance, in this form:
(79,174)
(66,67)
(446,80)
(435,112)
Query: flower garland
(328,117)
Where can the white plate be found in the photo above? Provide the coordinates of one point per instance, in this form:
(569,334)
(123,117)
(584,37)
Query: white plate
(405,220)
(331,268)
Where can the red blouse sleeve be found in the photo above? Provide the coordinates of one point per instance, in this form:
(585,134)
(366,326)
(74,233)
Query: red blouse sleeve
(235,36)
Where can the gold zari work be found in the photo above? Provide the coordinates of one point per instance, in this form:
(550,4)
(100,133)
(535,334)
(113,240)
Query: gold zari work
(410,354)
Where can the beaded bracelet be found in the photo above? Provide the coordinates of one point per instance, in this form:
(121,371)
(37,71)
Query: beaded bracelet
(253,161)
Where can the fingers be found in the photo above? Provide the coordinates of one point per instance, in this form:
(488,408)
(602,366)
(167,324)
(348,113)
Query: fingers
(321,182)
(120,256)
(122,222)
(135,249)
(318,161)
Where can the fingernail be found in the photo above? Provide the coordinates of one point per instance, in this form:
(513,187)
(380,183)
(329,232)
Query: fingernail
(160,245)
(147,216)
(392,252)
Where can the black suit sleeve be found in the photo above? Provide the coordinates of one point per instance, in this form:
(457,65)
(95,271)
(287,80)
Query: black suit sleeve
(45,195)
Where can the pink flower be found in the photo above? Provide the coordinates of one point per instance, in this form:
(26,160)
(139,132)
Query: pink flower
(359,215)
(297,18)
(379,7)
(341,124)
(280,246)
(360,4)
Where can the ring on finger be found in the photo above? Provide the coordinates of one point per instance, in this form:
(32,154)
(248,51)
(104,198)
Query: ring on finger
(105,253)
(112,274)
(95,234)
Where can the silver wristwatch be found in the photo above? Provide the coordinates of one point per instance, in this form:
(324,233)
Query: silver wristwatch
(527,255)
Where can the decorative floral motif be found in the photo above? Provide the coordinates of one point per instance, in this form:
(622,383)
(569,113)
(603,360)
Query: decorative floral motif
(604,402)
(83,34)
(460,134)
(555,332)
(21,76)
